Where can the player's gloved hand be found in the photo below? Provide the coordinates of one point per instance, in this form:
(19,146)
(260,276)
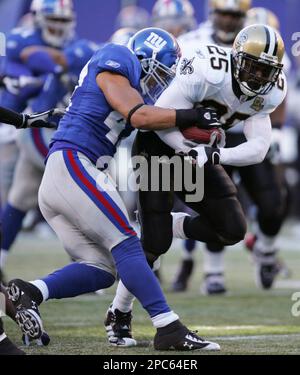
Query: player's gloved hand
(202,155)
(203,118)
(48,119)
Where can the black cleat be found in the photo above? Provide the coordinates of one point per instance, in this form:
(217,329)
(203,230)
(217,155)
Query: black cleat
(176,336)
(9,348)
(180,284)
(118,328)
(266,269)
(213,284)
(26,298)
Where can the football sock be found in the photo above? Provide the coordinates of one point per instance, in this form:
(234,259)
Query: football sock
(189,247)
(178,220)
(138,277)
(264,243)
(162,320)
(213,262)
(12,219)
(75,279)
(123,300)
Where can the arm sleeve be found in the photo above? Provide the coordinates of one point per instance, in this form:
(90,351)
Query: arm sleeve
(40,62)
(173,97)
(258,132)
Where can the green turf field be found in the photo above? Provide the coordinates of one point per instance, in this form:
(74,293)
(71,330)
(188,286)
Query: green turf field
(245,321)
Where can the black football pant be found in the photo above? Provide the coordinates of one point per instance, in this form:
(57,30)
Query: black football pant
(220,218)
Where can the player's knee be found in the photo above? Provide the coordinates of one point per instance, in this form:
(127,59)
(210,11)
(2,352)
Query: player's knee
(234,231)
(158,244)
(157,233)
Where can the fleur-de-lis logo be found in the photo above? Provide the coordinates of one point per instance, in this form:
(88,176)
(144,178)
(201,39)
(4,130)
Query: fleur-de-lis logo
(187,66)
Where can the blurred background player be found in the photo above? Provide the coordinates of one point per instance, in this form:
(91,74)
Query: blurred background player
(133,17)
(265,184)
(33,144)
(32,52)
(226,19)
(175,16)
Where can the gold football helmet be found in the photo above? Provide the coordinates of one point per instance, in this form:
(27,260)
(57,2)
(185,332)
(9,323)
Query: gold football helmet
(241,6)
(228,17)
(262,16)
(257,58)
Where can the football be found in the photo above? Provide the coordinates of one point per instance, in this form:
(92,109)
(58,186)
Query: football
(205,136)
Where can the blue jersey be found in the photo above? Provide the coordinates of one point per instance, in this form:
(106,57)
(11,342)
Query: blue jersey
(91,125)
(78,54)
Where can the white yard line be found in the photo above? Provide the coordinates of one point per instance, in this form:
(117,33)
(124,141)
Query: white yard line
(257,337)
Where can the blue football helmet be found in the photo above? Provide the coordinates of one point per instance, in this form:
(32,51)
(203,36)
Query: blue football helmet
(123,35)
(158,52)
(56,19)
(134,17)
(175,16)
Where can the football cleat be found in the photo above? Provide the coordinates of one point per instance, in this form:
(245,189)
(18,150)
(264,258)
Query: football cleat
(180,284)
(7,347)
(266,269)
(267,264)
(176,336)
(26,298)
(118,328)
(213,284)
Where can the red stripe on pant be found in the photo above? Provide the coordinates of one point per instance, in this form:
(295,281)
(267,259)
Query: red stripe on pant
(98,194)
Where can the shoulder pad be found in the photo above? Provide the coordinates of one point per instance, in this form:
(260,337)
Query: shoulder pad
(195,65)
(213,76)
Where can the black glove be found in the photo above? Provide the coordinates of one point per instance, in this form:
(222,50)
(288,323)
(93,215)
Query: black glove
(202,155)
(48,119)
(203,118)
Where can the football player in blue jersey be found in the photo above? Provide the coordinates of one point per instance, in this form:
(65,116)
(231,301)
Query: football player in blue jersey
(80,201)
(33,144)
(31,54)
(175,16)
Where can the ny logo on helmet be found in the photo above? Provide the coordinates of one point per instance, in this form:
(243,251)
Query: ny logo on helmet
(155,42)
